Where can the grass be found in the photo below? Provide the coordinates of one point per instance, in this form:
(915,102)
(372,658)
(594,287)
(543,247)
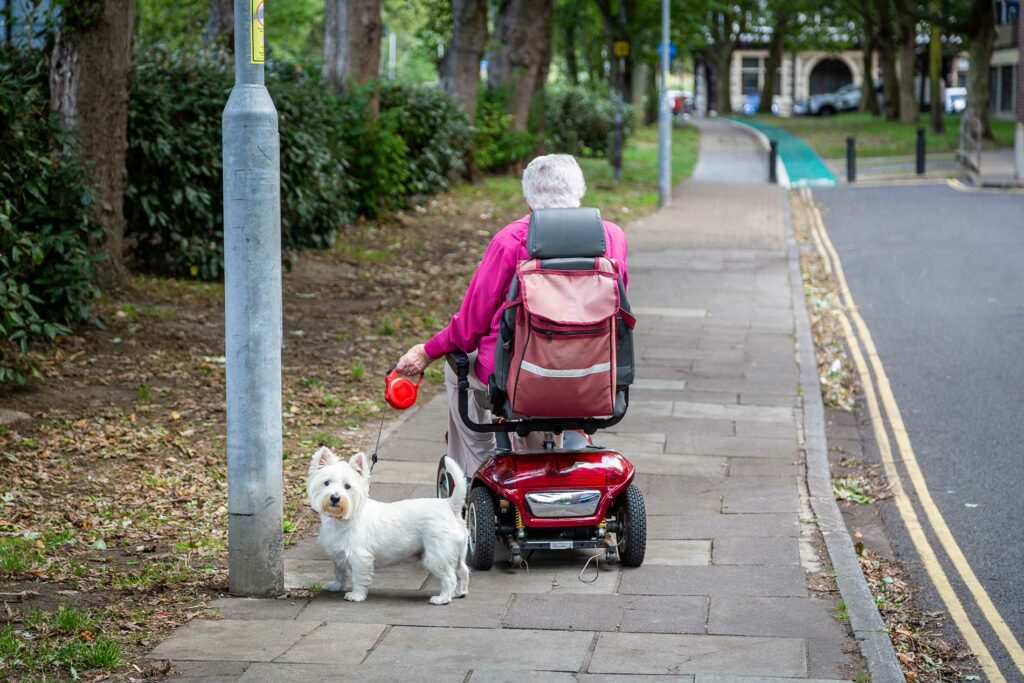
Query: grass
(635,194)
(877,137)
(59,644)
(842,614)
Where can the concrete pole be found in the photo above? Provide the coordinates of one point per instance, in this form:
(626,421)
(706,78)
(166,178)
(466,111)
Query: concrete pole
(252,320)
(664,118)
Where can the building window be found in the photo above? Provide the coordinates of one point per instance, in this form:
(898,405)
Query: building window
(751,75)
(1006,88)
(993,88)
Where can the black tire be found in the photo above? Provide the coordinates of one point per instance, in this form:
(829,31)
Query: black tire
(827,110)
(482,529)
(632,535)
(443,480)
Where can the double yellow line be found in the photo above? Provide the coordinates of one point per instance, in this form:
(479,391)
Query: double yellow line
(903,503)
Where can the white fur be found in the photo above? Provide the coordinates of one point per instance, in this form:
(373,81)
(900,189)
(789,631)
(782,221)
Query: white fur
(361,534)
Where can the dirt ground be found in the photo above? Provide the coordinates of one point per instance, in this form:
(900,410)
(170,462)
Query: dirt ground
(113,497)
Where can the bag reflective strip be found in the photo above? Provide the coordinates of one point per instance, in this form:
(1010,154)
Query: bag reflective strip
(582,372)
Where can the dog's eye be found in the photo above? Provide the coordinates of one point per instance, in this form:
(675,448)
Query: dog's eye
(348,486)
(327,483)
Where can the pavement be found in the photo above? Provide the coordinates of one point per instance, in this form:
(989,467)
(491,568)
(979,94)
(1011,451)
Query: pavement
(950,344)
(736,587)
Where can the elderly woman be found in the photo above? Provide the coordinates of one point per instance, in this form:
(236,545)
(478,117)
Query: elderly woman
(549,182)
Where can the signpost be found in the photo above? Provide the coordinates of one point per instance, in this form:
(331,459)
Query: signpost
(621,50)
(664,116)
(252,317)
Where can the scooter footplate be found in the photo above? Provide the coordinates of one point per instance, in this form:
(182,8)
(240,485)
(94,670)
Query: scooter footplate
(560,545)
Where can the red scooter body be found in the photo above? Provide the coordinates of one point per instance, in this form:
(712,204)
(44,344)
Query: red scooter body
(512,475)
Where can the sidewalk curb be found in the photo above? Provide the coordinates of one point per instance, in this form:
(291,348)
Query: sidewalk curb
(865,620)
(780,165)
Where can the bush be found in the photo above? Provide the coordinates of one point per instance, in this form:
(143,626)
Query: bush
(497,146)
(46,268)
(173,202)
(436,132)
(581,122)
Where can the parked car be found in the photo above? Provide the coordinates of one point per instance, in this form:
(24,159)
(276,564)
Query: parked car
(847,98)
(955,100)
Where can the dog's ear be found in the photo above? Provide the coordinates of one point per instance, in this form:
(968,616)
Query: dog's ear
(324,457)
(361,464)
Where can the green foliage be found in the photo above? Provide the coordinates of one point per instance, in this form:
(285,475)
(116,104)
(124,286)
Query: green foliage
(581,122)
(45,264)
(435,130)
(497,146)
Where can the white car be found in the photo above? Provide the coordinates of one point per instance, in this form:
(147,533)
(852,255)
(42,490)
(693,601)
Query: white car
(847,98)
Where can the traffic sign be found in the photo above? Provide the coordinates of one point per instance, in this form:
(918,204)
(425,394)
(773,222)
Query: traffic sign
(672,50)
(621,48)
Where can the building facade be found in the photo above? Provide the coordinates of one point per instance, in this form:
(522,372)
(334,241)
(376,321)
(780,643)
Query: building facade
(801,75)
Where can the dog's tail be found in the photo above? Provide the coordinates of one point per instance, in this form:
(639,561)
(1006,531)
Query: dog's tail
(458,497)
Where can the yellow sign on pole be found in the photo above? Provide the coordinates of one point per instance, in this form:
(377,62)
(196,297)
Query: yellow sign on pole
(256,31)
(621,48)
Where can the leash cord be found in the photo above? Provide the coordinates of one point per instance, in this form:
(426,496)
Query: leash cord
(380,430)
(597,568)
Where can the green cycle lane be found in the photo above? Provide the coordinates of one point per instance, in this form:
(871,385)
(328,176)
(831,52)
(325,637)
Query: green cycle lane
(803,166)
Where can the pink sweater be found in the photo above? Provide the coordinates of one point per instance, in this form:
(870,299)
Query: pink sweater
(475,326)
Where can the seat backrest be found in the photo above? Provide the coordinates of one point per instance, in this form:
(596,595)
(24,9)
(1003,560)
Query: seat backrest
(562,240)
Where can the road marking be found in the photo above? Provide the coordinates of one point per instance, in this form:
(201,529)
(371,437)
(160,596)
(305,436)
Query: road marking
(932,512)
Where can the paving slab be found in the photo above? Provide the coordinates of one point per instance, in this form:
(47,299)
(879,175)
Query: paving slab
(747,467)
(256,608)
(730,446)
(729,678)
(679,464)
(739,502)
(413,649)
(722,526)
(756,551)
(343,645)
(547,572)
(300,573)
(242,640)
(715,581)
(207,672)
(642,614)
(410,608)
(631,678)
(760,616)
(727,411)
(766,430)
(277,672)
(679,654)
(678,553)
(505,675)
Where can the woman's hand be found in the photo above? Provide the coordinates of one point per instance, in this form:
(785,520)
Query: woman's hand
(414,362)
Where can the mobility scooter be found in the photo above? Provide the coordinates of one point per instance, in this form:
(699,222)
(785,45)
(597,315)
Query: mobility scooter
(563,365)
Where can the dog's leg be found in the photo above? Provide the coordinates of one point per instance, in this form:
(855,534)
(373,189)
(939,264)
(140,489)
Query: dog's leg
(462,586)
(362,576)
(448,583)
(342,577)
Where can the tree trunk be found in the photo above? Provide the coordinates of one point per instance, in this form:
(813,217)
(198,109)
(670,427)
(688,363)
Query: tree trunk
(572,68)
(775,47)
(980,42)
(616,28)
(720,59)
(519,64)
(908,62)
(220,25)
(352,32)
(887,55)
(935,80)
(90,76)
(460,67)
(868,98)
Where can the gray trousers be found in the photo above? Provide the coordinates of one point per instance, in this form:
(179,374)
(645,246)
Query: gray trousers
(466,447)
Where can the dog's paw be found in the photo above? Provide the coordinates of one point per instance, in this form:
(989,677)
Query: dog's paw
(355,596)
(439,600)
(333,586)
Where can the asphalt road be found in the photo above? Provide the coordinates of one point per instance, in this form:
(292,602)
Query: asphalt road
(939,277)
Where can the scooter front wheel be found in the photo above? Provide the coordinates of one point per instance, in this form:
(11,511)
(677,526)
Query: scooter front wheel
(632,534)
(482,529)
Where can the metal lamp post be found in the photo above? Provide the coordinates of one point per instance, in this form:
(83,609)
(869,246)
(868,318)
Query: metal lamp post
(664,118)
(252,320)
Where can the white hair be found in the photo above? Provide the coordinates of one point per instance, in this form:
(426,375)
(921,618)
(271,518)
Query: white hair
(553,181)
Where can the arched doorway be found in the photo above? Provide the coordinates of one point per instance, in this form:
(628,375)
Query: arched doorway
(829,75)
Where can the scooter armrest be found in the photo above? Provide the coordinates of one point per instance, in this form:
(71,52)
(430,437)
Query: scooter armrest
(459,362)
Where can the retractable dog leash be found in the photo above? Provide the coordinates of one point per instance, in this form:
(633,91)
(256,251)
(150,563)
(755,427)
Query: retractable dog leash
(399,393)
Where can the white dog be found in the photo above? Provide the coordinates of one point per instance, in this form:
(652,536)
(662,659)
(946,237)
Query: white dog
(359,533)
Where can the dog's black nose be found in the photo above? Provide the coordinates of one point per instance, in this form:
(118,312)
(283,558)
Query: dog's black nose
(335,499)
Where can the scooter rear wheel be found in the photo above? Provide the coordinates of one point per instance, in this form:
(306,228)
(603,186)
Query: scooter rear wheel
(482,529)
(632,534)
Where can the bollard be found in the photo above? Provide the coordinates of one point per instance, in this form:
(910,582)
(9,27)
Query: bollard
(773,157)
(851,159)
(920,151)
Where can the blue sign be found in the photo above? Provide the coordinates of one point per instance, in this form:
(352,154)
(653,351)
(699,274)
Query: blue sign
(672,50)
